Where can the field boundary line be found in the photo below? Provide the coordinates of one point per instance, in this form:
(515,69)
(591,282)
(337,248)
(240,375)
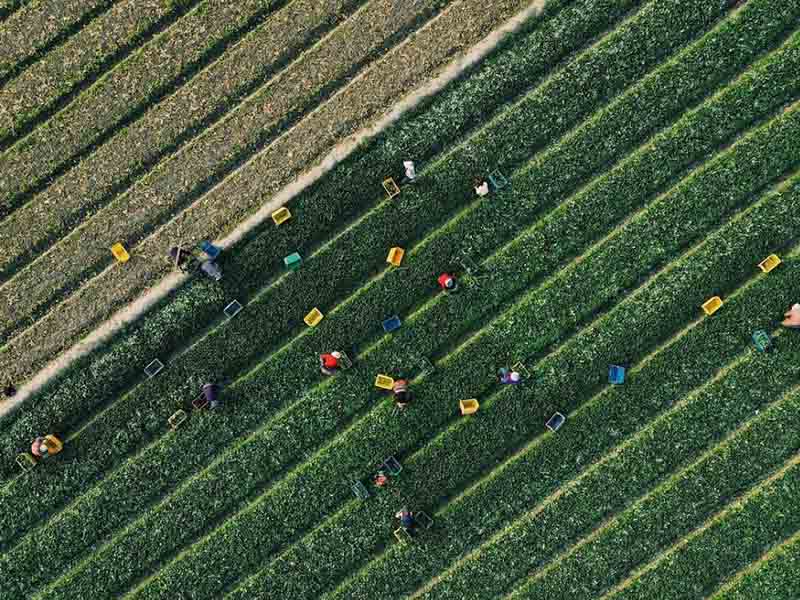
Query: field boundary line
(169,283)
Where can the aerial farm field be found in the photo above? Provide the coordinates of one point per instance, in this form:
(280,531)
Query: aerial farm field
(644,160)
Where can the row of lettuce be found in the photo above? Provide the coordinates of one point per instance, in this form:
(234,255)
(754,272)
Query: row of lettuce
(562,379)
(256,262)
(286,506)
(399,284)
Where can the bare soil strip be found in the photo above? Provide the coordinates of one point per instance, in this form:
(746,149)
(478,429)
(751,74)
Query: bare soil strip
(357,111)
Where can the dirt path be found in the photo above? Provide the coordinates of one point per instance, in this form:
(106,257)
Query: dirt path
(169,283)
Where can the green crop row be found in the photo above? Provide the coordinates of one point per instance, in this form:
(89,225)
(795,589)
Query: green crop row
(458,451)
(80,257)
(777,577)
(673,509)
(138,134)
(283,507)
(176,183)
(512,494)
(174,382)
(729,543)
(48,85)
(64,405)
(85,512)
(433,263)
(34,31)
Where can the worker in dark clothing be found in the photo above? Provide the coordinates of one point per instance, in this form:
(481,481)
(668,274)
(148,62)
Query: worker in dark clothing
(402,395)
(447,282)
(180,257)
(406,518)
(9,390)
(329,363)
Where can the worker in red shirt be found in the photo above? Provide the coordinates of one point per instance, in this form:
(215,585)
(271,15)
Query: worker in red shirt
(329,363)
(447,282)
(380,479)
(402,395)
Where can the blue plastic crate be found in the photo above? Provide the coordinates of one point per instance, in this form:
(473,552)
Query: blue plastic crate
(210,249)
(391,324)
(616,374)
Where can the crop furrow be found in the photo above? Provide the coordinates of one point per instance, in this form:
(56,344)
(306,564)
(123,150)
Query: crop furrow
(671,510)
(144,215)
(778,576)
(69,70)
(34,32)
(730,540)
(293,500)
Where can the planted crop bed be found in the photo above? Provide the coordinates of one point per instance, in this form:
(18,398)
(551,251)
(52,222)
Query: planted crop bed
(664,182)
(212,214)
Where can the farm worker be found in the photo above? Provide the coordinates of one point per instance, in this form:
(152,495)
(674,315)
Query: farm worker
(447,282)
(792,317)
(482,187)
(9,390)
(411,173)
(406,518)
(39,447)
(179,256)
(380,479)
(329,363)
(508,376)
(211,393)
(402,395)
(210,268)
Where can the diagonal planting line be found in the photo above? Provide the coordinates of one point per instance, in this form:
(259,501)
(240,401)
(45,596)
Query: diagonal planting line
(369,434)
(715,452)
(621,417)
(289,564)
(208,199)
(701,536)
(42,91)
(758,485)
(734,586)
(42,27)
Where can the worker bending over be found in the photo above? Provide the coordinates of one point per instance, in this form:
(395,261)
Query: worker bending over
(402,395)
(507,376)
(447,282)
(380,479)
(329,363)
(792,319)
(406,518)
(44,446)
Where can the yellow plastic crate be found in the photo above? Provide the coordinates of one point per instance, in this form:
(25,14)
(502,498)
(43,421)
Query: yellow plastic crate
(313,318)
(281,215)
(395,256)
(384,382)
(712,305)
(119,252)
(769,263)
(391,187)
(469,407)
